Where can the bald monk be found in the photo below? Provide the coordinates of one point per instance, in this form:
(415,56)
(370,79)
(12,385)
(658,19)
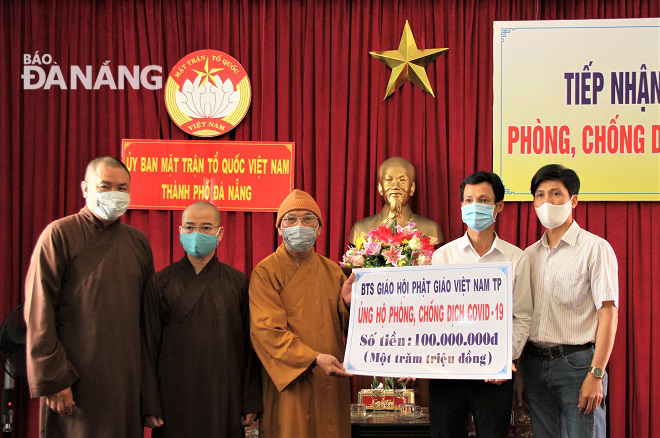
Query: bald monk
(298,313)
(82,308)
(396,184)
(201,377)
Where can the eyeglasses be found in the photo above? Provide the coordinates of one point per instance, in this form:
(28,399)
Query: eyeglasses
(204,229)
(309,220)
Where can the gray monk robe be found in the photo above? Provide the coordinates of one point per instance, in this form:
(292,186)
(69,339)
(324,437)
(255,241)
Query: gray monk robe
(82,309)
(200,372)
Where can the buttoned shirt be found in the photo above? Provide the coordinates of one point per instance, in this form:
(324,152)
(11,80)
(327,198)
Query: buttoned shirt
(569,284)
(461,251)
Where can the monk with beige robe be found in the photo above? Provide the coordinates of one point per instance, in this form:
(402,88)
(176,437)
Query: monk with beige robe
(298,314)
(82,309)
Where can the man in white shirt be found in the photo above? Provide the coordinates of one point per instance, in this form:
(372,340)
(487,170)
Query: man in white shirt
(482,196)
(575,291)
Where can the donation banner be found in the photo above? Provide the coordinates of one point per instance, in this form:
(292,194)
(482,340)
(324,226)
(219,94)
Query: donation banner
(232,175)
(437,322)
(581,93)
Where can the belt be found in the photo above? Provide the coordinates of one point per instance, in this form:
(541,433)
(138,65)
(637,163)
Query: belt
(560,350)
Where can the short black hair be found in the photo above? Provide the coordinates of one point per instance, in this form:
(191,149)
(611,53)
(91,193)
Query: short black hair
(489,177)
(556,172)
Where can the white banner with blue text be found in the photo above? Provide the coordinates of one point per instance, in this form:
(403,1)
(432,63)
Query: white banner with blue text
(433,322)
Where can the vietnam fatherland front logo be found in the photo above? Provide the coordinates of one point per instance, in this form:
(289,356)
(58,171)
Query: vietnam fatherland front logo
(207,93)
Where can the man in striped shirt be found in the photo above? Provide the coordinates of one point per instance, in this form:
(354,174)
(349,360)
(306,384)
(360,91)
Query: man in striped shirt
(575,291)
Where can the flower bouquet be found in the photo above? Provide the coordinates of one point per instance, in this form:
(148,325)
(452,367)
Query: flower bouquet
(390,245)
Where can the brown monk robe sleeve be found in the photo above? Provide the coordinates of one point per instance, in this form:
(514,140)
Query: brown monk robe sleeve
(153,309)
(49,370)
(252,401)
(282,353)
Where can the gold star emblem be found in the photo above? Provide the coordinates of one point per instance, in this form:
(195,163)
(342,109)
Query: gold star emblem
(408,63)
(206,74)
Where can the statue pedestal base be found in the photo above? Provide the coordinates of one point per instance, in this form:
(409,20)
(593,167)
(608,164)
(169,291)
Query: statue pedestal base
(385,400)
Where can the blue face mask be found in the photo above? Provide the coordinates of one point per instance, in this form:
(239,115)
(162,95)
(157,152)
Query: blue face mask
(478,216)
(199,244)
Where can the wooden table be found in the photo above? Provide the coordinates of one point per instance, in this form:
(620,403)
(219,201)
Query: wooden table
(390,424)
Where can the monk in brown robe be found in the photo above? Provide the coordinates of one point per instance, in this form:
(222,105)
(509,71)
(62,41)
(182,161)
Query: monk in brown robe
(298,313)
(82,308)
(200,374)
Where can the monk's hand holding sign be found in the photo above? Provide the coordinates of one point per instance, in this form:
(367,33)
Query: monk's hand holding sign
(331,366)
(346,290)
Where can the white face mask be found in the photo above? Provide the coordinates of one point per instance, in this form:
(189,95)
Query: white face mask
(552,216)
(111,205)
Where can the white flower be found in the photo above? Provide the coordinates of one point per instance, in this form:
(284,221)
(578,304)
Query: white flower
(423,260)
(415,244)
(206,101)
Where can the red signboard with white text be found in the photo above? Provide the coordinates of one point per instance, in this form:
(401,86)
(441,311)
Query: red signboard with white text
(233,175)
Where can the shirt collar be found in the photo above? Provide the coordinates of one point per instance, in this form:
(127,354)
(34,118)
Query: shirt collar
(467,245)
(570,236)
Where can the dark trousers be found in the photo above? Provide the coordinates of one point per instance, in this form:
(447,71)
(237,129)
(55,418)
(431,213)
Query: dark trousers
(552,390)
(451,400)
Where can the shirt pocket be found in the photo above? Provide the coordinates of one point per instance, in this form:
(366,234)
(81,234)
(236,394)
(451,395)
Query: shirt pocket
(567,288)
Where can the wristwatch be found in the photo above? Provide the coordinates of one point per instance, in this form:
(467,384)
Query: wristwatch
(597,372)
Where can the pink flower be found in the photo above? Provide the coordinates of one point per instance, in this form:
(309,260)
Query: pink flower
(358,260)
(408,229)
(393,255)
(345,261)
(372,248)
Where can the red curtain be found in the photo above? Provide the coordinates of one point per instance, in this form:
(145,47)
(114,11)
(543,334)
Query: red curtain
(315,84)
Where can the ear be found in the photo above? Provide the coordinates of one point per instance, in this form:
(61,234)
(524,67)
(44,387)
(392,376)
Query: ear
(84,188)
(279,231)
(380,189)
(499,207)
(574,201)
(412,188)
(318,231)
(221,232)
